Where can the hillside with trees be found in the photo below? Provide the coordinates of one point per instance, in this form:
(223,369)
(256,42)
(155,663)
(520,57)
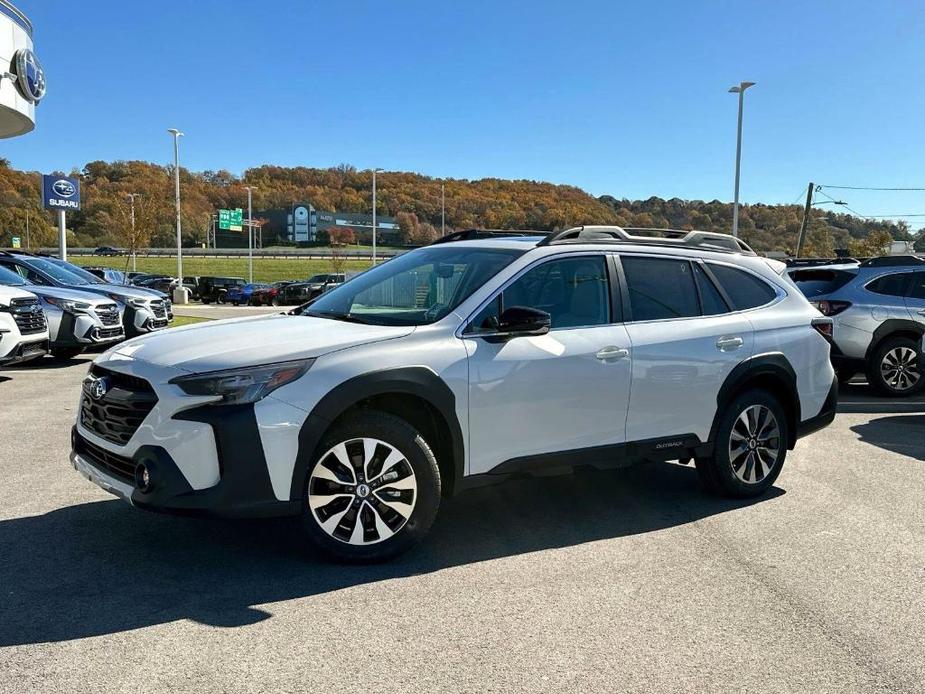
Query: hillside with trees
(413,199)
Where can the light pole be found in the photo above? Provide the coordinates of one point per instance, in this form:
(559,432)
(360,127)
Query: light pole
(442,208)
(176,176)
(131,197)
(250,237)
(740,90)
(375,171)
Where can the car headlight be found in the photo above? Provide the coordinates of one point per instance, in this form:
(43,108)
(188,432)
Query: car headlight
(243,386)
(68,305)
(131,301)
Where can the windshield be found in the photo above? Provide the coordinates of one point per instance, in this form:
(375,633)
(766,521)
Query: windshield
(79,271)
(416,288)
(10,278)
(817,282)
(58,270)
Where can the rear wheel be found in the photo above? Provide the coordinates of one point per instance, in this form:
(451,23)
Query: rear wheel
(750,447)
(374,490)
(896,367)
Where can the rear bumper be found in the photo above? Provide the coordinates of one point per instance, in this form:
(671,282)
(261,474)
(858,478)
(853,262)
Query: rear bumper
(824,418)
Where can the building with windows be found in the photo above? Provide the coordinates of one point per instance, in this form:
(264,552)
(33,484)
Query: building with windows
(22,79)
(302,224)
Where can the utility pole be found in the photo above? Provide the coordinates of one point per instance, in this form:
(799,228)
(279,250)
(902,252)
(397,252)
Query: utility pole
(132,196)
(176,171)
(442,208)
(374,214)
(250,237)
(740,90)
(805,223)
(28,243)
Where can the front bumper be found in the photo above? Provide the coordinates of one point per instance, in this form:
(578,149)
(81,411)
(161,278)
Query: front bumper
(25,351)
(83,330)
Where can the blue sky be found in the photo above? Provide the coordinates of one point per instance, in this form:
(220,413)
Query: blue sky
(623,98)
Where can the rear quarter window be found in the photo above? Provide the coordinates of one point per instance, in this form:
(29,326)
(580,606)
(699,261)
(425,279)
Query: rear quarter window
(744,290)
(893,284)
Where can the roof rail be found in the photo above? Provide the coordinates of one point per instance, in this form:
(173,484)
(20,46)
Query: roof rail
(470,234)
(815,262)
(893,261)
(706,240)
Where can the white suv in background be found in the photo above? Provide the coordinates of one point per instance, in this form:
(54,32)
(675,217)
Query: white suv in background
(23,328)
(476,358)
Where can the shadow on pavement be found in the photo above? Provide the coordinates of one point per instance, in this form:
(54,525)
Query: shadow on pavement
(903,434)
(103,567)
(859,398)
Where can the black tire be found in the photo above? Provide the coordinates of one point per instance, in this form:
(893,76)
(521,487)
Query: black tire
(234,303)
(65,353)
(206,301)
(880,359)
(274,301)
(403,438)
(723,473)
(220,299)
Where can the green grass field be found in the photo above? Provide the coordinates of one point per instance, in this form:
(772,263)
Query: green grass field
(265,269)
(187,320)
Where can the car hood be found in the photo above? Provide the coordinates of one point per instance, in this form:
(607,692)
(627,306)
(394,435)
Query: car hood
(117,290)
(237,342)
(70,294)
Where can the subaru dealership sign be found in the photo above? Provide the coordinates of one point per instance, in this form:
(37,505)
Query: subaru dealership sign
(60,192)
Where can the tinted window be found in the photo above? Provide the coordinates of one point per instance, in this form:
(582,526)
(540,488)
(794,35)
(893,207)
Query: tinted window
(60,274)
(711,301)
(918,286)
(818,282)
(660,288)
(10,277)
(743,289)
(573,291)
(894,284)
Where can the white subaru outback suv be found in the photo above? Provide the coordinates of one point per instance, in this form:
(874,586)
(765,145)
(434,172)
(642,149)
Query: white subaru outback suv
(473,359)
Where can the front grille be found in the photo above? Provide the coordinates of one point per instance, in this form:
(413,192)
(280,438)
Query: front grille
(29,316)
(108,314)
(158,309)
(117,415)
(100,458)
(154,324)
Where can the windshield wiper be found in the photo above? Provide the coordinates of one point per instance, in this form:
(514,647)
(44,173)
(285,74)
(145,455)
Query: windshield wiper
(338,315)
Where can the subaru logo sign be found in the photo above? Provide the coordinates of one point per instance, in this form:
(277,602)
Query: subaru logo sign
(64,188)
(30,77)
(95,387)
(61,192)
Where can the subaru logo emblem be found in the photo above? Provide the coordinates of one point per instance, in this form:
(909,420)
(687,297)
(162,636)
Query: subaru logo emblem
(64,188)
(30,77)
(95,387)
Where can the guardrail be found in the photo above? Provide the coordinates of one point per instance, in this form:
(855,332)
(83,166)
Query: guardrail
(304,253)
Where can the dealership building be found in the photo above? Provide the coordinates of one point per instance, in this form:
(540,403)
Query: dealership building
(22,79)
(303,224)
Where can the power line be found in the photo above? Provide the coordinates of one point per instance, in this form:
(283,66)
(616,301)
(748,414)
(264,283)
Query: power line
(868,188)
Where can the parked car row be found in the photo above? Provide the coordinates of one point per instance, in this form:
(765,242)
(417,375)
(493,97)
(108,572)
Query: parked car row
(65,309)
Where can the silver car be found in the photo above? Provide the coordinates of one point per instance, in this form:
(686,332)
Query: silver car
(76,320)
(878,308)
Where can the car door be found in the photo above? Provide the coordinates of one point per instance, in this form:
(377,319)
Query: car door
(533,396)
(685,342)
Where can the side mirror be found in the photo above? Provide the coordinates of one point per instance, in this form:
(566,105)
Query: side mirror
(523,320)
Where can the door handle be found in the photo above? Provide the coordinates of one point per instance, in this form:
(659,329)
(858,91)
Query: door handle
(612,353)
(728,344)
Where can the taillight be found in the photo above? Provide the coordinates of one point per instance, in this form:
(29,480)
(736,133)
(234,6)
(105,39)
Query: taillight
(831,308)
(824,327)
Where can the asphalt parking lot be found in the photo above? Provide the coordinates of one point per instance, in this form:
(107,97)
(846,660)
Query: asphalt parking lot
(602,581)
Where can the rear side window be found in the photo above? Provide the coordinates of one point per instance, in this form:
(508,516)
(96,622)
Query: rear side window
(743,289)
(660,288)
(894,284)
(818,282)
(711,301)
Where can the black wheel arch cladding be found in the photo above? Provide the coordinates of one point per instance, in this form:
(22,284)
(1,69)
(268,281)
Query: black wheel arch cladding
(894,327)
(419,382)
(755,371)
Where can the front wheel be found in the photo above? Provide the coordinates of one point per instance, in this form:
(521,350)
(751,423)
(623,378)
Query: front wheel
(896,367)
(750,447)
(373,491)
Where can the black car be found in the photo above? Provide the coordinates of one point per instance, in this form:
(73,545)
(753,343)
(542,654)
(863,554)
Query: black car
(107,250)
(108,274)
(214,288)
(300,292)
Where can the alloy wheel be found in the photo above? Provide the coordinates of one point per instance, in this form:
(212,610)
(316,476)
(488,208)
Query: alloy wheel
(362,491)
(754,444)
(899,368)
